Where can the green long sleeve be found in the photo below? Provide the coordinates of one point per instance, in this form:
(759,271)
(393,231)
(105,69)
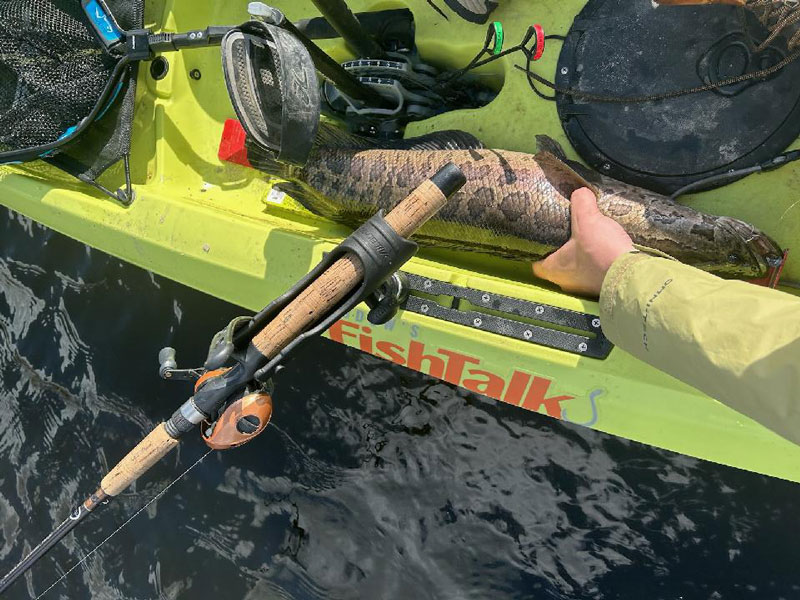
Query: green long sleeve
(734,341)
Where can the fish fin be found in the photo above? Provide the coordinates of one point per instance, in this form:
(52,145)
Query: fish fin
(264,160)
(310,200)
(331,136)
(561,175)
(544,143)
(547,144)
(451,139)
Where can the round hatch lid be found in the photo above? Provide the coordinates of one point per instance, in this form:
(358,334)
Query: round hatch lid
(634,48)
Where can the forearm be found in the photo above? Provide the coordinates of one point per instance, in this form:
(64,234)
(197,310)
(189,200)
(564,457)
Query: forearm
(732,340)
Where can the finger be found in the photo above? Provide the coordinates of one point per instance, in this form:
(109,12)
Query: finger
(583,206)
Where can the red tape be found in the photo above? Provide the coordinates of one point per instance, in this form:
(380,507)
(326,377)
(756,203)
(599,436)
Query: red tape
(231,146)
(773,276)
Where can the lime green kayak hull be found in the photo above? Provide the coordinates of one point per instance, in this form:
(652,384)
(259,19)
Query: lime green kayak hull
(215,226)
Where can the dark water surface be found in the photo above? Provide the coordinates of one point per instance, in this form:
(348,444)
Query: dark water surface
(372,482)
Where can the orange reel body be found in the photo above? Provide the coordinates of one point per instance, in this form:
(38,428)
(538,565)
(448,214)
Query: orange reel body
(240,422)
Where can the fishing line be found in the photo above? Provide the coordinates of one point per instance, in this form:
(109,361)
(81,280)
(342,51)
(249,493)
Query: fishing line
(118,529)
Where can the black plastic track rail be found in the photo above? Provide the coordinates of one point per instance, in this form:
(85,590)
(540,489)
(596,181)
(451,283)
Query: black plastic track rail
(532,322)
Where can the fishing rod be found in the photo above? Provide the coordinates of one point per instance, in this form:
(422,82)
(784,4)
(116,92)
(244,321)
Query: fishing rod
(232,401)
(345,23)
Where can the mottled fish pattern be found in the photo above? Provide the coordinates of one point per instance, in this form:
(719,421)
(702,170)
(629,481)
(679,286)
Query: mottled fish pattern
(514,205)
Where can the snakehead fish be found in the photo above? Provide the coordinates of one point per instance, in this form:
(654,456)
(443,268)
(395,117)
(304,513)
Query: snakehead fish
(514,205)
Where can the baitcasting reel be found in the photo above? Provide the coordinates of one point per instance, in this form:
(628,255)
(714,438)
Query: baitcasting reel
(245,414)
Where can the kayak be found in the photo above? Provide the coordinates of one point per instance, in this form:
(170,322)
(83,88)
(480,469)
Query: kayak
(481,322)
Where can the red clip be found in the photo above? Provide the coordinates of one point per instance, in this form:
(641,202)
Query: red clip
(231,146)
(773,276)
(539,41)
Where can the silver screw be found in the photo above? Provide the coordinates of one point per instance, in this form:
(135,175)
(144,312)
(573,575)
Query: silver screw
(192,35)
(539,310)
(527,334)
(168,375)
(564,70)
(582,347)
(477,322)
(486,297)
(606,167)
(595,323)
(424,308)
(428,283)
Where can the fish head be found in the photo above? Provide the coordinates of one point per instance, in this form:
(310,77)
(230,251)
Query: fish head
(745,251)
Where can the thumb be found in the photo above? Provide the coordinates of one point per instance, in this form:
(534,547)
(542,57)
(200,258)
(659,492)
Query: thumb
(553,266)
(583,206)
(540,269)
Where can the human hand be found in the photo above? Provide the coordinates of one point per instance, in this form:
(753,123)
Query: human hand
(581,264)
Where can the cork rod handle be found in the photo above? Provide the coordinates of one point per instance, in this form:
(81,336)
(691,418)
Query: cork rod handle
(146,453)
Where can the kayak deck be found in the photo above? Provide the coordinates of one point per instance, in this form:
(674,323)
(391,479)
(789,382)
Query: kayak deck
(217,227)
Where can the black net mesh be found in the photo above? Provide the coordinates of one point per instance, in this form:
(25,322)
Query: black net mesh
(52,70)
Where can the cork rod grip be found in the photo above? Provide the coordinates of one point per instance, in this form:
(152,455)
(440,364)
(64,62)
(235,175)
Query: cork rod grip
(345,274)
(148,452)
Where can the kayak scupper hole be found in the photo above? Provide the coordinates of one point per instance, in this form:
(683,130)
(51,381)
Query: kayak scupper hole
(159,68)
